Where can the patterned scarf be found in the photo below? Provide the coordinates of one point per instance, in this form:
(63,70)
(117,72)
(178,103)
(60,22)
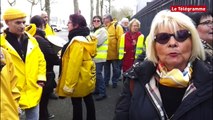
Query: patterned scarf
(174,78)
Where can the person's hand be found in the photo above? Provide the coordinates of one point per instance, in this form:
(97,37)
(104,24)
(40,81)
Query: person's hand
(41,83)
(20,111)
(59,54)
(2,60)
(134,42)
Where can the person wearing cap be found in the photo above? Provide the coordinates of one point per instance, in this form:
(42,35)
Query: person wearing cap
(28,60)
(48,29)
(9,92)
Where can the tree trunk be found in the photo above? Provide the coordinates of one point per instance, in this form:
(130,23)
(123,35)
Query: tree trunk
(76,7)
(109,6)
(91,10)
(12,3)
(33,3)
(47,9)
(102,4)
(31,9)
(42,7)
(97,7)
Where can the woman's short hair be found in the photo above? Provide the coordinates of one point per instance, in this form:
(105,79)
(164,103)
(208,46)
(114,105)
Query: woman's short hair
(99,17)
(38,21)
(197,16)
(173,20)
(134,20)
(78,19)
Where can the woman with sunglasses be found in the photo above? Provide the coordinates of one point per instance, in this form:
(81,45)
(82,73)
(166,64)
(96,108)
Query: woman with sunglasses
(173,82)
(77,69)
(101,33)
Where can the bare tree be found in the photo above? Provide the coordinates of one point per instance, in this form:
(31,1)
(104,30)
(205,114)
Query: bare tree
(76,7)
(42,7)
(33,3)
(91,10)
(47,8)
(102,4)
(97,7)
(123,12)
(109,6)
(12,3)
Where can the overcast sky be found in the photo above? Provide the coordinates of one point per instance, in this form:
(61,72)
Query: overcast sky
(63,8)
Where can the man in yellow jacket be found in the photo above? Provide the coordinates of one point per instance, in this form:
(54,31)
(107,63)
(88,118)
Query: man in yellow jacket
(28,60)
(48,30)
(114,33)
(9,93)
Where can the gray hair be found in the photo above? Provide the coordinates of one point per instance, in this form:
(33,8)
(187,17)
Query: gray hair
(134,20)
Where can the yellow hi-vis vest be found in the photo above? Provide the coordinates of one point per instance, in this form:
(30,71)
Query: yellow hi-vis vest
(139,46)
(102,52)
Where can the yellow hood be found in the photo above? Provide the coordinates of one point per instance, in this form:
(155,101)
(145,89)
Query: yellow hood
(89,43)
(31,29)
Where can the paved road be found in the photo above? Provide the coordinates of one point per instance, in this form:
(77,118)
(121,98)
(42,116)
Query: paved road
(62,108)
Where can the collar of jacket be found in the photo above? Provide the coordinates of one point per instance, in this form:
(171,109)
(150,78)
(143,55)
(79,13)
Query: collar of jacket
(142,70)
(30,46)
(112,23)
(88,42)
(201,79)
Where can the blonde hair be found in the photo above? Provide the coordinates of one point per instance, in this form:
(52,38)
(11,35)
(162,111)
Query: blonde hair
(134,20)
(173,20)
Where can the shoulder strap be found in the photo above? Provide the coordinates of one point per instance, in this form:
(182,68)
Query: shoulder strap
(115,25)
(131,85)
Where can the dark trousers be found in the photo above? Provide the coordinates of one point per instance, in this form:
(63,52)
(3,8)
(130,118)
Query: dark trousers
(47,90)
(77,107)
(115,69)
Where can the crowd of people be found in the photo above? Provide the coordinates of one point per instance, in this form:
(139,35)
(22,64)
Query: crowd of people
(165,76)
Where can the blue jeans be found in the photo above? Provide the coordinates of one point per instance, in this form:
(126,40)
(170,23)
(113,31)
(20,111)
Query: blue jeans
(100,83)
(32,113)
(115,70)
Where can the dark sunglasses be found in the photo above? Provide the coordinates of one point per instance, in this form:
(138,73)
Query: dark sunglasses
(96,21)
(180,36)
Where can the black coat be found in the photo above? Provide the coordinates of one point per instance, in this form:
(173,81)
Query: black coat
(51,59)
(136,104)
(46,47)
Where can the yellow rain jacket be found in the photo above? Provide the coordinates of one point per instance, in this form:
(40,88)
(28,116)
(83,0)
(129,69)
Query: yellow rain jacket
(78,75)
(48,30)
(28,73)
(114,34)
(9,93)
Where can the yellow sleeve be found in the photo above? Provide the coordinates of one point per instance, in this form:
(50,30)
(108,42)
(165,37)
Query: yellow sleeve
(41,66)
(13,78)
(119,33)
(73,68)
